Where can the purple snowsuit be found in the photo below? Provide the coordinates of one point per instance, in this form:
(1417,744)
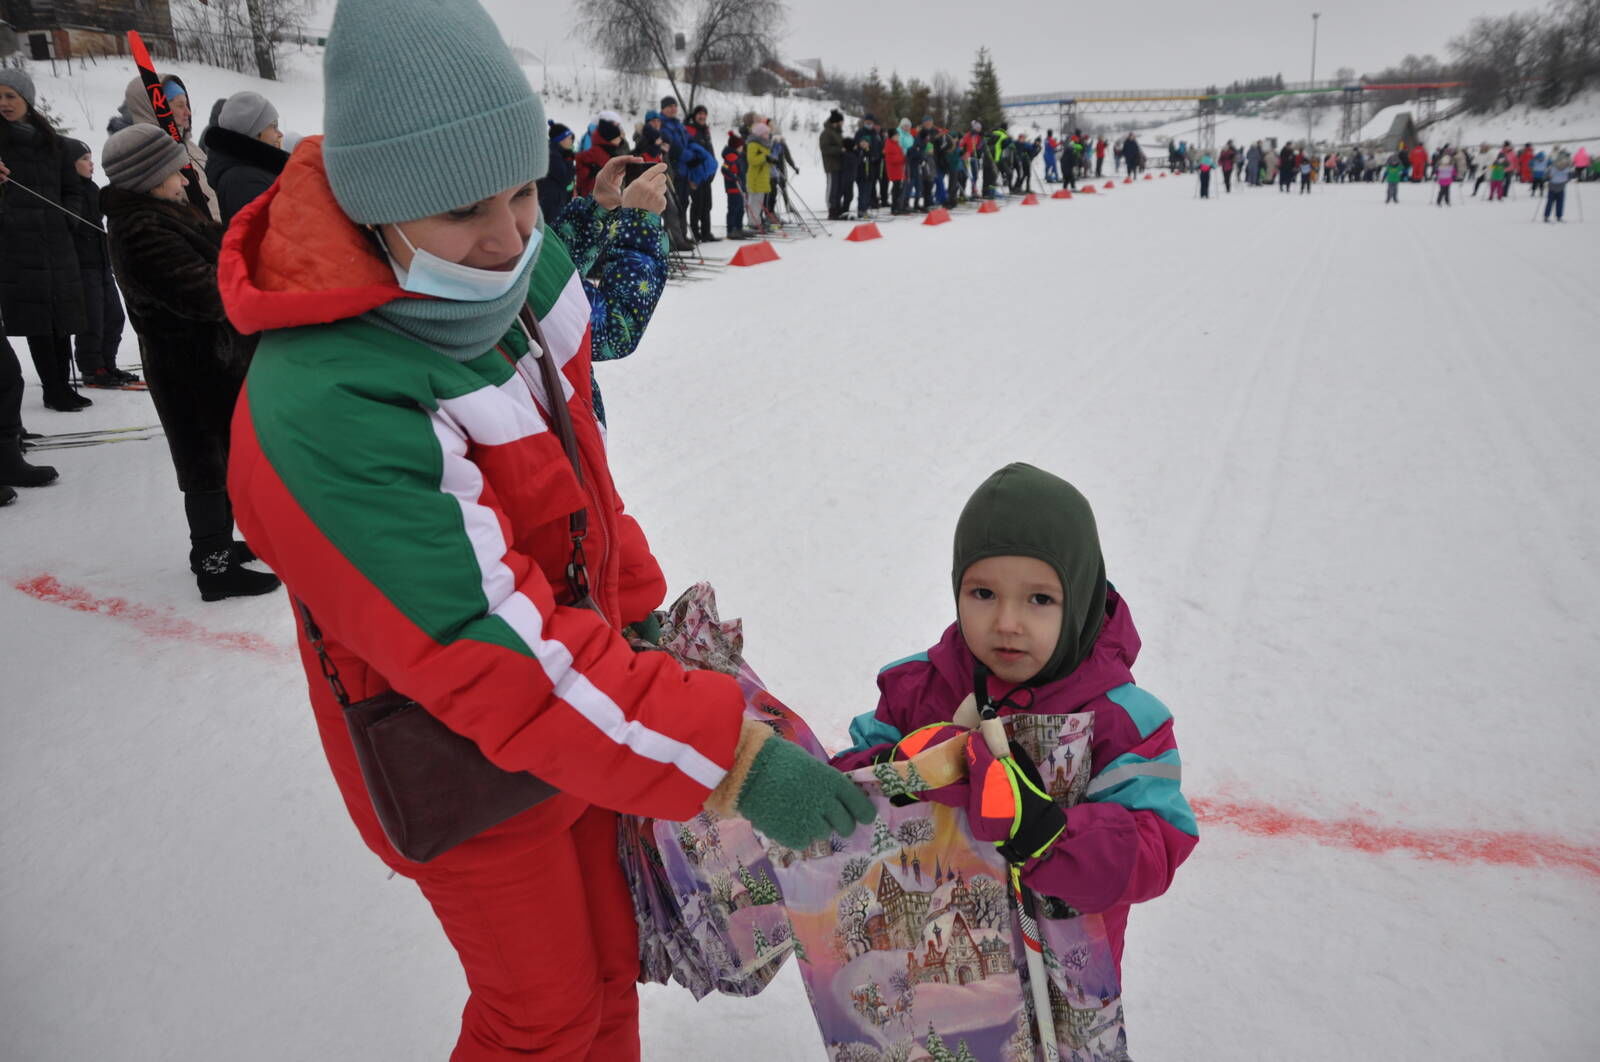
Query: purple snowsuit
(1125,842)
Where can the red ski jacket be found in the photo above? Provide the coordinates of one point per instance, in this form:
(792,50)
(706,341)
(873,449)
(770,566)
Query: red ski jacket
(419,506)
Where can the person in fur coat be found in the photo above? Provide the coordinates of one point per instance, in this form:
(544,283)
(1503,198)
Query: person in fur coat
(164,253)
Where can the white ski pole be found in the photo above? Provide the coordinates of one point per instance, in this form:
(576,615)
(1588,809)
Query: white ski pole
(1024,903)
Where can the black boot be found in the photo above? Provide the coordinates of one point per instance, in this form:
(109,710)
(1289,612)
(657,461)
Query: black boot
(7,496)
(16,472)
(216,566)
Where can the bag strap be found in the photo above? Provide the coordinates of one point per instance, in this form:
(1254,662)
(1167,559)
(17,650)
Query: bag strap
(578,523)
(330,671)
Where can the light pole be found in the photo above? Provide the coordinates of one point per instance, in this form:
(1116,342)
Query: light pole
(1315,15)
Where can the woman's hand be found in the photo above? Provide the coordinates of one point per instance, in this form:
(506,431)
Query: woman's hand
(608,182)
(648,191)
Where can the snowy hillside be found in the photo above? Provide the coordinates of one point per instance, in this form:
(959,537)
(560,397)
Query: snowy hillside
(1575,123)
(85,98)
(1343,472)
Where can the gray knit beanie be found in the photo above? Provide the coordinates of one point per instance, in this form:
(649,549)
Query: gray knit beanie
(424,114)
(140,157)
(247,113)
(19,82)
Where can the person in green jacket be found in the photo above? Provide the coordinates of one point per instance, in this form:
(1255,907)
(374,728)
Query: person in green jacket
(1393,174)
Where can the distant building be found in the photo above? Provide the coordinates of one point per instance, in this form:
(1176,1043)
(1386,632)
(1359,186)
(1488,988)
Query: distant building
(69,29)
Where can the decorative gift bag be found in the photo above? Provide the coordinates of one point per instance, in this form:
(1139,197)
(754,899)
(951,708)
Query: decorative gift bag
(908,934)
(705,894)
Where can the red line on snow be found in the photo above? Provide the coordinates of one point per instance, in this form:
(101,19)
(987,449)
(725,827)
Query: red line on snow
(158,623)
(1493,847)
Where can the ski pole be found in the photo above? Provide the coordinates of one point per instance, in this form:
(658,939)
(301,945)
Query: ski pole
(52,202)
(1024,903)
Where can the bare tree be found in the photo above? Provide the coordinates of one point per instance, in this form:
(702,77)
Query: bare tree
(243,35)
(737,35)
(988,901)
(724,37)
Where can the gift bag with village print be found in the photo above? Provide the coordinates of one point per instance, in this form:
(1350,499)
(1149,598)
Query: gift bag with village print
(706,900)
(907,936)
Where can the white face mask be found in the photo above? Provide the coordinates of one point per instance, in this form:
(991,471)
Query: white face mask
(431,275)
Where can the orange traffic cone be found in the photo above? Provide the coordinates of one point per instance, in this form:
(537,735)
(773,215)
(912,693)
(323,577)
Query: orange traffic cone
(937,216)
(989,207)
(1127,180)
(1110,184)
(1030,200)
(1062,193)
(863,233)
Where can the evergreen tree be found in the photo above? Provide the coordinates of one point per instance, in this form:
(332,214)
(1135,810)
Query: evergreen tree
(876,96)
(889,780)
(914,782)
(759,941)
(983,96)
(897,100)
(882,841)
(964,1053)
(936,1048)
(799,946)
(918,101)
(766,890)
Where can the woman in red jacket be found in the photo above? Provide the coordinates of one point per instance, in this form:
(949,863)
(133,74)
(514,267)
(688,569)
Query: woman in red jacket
(894,165)
(397,460)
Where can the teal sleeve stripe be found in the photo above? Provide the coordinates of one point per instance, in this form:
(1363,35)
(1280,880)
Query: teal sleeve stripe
(1147,713)
(914,658)
(1139,784)
(867,730)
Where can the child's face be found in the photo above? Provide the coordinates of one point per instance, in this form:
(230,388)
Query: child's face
(1010,611)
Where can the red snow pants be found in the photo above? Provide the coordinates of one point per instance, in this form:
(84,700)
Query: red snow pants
(550,949)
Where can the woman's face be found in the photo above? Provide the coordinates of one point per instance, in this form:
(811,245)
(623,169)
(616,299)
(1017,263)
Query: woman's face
(85,166)
(179,105)
(172,188)
(489,234)
(271,135)
(12,106)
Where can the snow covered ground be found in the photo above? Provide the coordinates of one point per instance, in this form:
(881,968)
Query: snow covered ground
(1342,456)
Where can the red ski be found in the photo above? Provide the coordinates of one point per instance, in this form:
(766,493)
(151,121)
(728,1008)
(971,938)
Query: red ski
(158,102)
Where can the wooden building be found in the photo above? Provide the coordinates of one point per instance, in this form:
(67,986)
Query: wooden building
(70,29)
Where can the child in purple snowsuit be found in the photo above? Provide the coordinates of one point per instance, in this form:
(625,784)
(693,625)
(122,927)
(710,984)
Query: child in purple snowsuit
(1038,623)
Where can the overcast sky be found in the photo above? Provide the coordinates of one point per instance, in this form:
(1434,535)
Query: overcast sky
(1091,44)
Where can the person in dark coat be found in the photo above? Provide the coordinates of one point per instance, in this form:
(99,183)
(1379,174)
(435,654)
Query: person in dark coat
(831,144)
(1228,160)
(869,142)
(164,253)
(699,129)
(555,187)
(733,185)
(244,151)
(96,346)
(41,294)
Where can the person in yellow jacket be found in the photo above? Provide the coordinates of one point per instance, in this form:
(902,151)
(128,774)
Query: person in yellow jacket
(758,174)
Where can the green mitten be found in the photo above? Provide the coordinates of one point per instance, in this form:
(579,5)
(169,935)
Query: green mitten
(796,800)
